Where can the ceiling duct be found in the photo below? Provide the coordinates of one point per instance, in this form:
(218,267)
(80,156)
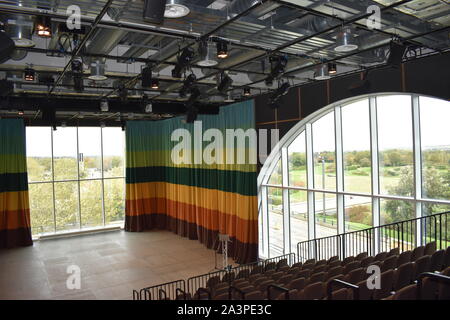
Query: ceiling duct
(238,6)
(20,30)
(207,56)
(98,71)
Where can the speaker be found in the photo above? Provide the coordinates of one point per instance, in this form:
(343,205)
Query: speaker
(396,52)
(154,11)
(6,47)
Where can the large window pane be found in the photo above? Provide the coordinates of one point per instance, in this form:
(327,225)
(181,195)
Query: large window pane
(297,161)
(298,217)
(39,153)
(434,117)
(275,208)
(358,213)
(276,176)
(90,153)
(438,228)
(65,153)
(113,152)
(91,203)
(324,153)
(395,145)
(66,206)
(114,200)
(356,147)
(403,236)
(325,214)
(41,208)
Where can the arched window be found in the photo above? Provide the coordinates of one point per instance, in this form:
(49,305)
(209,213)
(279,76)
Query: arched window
(357,163)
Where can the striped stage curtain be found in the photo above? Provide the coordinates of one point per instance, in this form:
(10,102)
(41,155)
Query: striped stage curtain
(200,200)
(15,228)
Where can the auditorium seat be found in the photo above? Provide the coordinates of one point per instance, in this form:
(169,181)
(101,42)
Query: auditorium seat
(404,257)
(317,277)
(256,270)
(364,292)
(334,271)
(298,284)
(333,264)
(270,266)
(447,258)
(297,265)
(342,294)
(361,256)
(403,275)
(381,256)
(406,293)
(254,295)
(286,279)
(314,291)
(320,268)
(389,263)
(367,261)
(421,265)
(387,280)
(394,252)
(356,275)
(304,274)
(417,253)
(430,248)
(332,259)
(437,260)
(352,266)
(347,261)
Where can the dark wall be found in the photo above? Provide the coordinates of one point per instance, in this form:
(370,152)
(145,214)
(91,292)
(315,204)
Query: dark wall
(429,76)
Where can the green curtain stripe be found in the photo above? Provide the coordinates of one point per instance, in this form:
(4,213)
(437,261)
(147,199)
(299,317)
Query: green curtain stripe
(12,137)
(12,163)
(224,180)
(11,182)
(163,158)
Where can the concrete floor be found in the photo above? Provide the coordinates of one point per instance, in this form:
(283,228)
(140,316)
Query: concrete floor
(112,264)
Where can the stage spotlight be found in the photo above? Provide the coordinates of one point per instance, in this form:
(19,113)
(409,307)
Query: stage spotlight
(278,93)
(224,83)
(154,84)
(247,91)
(44,27)
(20,112)
(187,84)
(222,49)
(29,74)
(332,68)
(278,67)
(183,61)
(146,79)
(98,71)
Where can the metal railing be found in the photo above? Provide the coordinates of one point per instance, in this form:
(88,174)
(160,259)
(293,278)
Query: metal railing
(169,290)
(239,272)
(404,235)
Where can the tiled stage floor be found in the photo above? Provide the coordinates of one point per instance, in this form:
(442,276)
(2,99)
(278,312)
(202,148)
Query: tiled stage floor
(112,264)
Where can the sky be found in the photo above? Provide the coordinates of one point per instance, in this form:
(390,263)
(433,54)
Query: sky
(65,141)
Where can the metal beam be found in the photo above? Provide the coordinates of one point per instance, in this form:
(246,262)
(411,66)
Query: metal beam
(82,43)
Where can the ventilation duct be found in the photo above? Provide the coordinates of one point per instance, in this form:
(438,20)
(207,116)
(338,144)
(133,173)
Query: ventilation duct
(206,51)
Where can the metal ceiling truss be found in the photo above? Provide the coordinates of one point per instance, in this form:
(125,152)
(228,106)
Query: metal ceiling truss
(256,30)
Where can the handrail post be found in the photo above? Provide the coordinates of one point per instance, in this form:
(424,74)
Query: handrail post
(343,284)
(285,290)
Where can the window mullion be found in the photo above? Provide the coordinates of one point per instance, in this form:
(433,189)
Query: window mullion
(286,206)
(339,170)
(374,172)
(417,166)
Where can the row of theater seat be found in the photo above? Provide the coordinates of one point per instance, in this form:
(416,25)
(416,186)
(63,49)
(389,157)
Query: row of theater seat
(309,280)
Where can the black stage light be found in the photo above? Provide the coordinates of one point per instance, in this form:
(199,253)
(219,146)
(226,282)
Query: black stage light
(154,11)
(183,61)
(154,84)
(29,74)
(278,93)
(146,79)
(44,27)
(225,82)
(222,49)
(192,110)
(187,84)
(278,67)
(332,68)
(247,91)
